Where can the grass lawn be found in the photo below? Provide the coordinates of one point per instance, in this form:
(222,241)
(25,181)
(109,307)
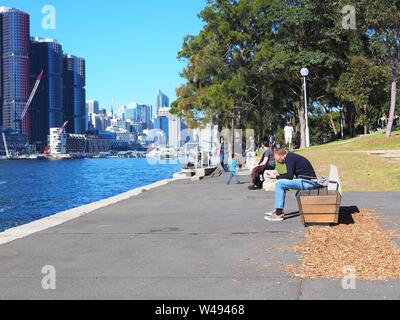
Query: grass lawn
(374,141)
(359,171)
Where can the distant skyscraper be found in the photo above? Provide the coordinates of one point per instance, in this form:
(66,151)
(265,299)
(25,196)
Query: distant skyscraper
(131,111)
(14,87)
(161,122)
(139,114)
(175,127)
(1,66)
(74,93)
(46,110)
(162,100)
(121,112)
(143,115)
(93,107)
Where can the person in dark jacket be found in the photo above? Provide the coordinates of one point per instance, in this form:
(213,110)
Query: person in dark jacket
(272,140)
(299,174)
(223,160)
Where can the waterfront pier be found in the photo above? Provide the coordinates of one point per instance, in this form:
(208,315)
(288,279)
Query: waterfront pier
(183,240)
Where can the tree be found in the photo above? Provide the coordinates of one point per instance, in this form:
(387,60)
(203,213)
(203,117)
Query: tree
(362,85)
(221,75)
(249,55)
(305,34)
(381,22)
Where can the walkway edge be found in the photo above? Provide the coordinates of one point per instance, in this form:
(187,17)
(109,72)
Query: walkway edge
(68,215)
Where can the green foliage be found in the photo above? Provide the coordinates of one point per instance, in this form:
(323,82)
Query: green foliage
(245,63)
(364,84)
(321,130)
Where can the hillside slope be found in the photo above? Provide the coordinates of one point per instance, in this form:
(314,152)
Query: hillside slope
(360,170)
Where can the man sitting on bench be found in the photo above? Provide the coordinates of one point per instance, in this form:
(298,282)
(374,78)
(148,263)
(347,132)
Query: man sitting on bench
(298,177)
(267,162)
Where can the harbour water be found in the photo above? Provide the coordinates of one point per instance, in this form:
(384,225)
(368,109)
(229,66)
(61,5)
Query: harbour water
(31,190)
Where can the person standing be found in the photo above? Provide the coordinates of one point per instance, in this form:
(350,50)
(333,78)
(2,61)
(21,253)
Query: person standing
(288,135)
(233,167)
(272,140)
(299,176)
(222,154)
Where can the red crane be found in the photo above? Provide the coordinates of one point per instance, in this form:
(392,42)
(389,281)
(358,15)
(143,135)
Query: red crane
(63,126)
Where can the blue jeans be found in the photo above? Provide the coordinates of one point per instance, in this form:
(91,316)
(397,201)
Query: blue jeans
(233,174)
(285,185)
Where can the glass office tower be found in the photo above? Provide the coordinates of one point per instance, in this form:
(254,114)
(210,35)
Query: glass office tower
(15,85)
(74,95)
(46,110)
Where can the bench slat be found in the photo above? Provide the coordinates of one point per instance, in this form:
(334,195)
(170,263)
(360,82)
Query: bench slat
(323,209)
(319,200)
(321,218)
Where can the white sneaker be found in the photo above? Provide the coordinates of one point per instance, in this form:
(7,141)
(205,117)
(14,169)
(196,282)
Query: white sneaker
(274,217)
(268,214)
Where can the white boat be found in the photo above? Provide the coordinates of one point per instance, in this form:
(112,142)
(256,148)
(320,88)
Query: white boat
(61,156)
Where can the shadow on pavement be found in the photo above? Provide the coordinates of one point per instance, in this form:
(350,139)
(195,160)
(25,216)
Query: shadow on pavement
(346,214)
(292,215)
(345,217)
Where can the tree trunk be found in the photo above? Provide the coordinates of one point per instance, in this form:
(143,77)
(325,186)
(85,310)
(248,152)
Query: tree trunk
(392,100)
(349,119)
(333,124)
(365,121)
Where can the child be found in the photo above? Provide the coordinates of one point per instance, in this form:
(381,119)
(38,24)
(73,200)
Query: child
(233,170)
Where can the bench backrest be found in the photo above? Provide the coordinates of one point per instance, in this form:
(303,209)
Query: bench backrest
(334,176)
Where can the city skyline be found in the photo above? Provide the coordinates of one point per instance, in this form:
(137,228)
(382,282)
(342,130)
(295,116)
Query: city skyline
(142,40)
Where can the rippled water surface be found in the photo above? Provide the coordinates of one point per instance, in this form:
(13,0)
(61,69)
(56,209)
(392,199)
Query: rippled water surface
(31,190)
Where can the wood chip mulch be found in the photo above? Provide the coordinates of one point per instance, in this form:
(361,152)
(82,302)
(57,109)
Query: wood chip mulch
(363,245)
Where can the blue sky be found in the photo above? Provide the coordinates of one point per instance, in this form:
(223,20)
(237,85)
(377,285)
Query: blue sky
(130,46)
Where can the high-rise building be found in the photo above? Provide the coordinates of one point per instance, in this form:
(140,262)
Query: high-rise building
(143,115)
(74,93)
(1,66)
(162,100)
(161,122)
(140,114)
(175,127)
(121,112)
(93,107)
(100,122)
(46,110)
(14,87)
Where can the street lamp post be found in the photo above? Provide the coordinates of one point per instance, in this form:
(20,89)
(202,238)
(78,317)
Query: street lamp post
(304,73)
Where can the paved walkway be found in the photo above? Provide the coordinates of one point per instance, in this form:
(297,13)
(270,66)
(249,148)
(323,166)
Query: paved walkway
(185,240)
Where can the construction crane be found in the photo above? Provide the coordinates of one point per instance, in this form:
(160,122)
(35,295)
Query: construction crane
(5,146)
(28,103)
(63,126)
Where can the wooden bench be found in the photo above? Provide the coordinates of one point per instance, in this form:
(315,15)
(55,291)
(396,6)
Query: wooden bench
(322,206)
